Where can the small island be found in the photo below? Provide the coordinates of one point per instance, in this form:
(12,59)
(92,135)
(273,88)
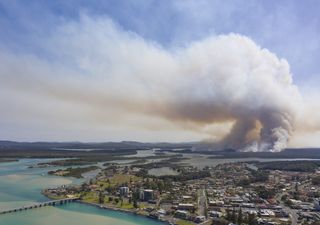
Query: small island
(73,172)
(8,160)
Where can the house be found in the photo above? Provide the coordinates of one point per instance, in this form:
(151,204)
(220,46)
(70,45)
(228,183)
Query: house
(200,219)
(186,206)
(181,214)
(215,214)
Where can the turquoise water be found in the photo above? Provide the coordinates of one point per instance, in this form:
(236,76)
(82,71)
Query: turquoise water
(73,213)
(20,186)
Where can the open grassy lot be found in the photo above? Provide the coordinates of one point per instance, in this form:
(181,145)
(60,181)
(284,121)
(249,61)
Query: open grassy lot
(117,180)
(184,222)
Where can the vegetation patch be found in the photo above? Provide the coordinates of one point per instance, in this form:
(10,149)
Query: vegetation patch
(297,166)
(73,172)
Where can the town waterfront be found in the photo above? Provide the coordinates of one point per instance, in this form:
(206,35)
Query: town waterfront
(20,186)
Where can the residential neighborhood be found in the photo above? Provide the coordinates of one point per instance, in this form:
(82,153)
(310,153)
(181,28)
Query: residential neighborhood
(231,193)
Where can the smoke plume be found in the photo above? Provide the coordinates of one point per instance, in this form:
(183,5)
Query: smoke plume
(222,81)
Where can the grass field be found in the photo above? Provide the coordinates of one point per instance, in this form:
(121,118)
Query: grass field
(184,222)
(117,180)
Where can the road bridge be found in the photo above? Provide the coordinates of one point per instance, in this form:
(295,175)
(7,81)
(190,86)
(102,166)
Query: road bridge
(39,205)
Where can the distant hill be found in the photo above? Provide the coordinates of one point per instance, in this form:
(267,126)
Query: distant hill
(125,145)
(129,146)
(306,153)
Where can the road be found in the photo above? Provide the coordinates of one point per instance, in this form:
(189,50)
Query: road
(293,214)
(202,202)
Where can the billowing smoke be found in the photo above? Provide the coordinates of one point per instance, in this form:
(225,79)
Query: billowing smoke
(222,81)
(230,78)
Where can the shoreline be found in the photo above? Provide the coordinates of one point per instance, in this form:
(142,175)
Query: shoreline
(105,207)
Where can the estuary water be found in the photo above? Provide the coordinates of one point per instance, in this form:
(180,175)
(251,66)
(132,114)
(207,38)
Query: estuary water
(21,186)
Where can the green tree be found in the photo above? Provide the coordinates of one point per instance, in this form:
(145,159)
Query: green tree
(316,180)
(234,216)
(135,203)
(228,216)
(265,193)
(101,197)
(240,217)
(135,197)
(251,218)
(284,198)
(84,186)
(121,201)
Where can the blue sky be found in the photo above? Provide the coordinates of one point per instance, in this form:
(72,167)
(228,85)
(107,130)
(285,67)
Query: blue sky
(288,28)
(150,70)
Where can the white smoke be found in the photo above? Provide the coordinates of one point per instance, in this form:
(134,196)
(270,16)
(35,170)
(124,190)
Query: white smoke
(222,79)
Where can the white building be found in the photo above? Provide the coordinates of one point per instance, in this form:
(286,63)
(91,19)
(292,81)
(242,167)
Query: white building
(124,191)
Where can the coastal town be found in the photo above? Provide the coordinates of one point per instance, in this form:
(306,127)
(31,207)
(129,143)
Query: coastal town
(159,112)
(230,193)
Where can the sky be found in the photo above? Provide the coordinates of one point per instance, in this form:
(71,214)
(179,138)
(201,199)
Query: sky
(241,72)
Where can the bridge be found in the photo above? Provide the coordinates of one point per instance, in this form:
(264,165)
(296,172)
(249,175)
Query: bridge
(40,204)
